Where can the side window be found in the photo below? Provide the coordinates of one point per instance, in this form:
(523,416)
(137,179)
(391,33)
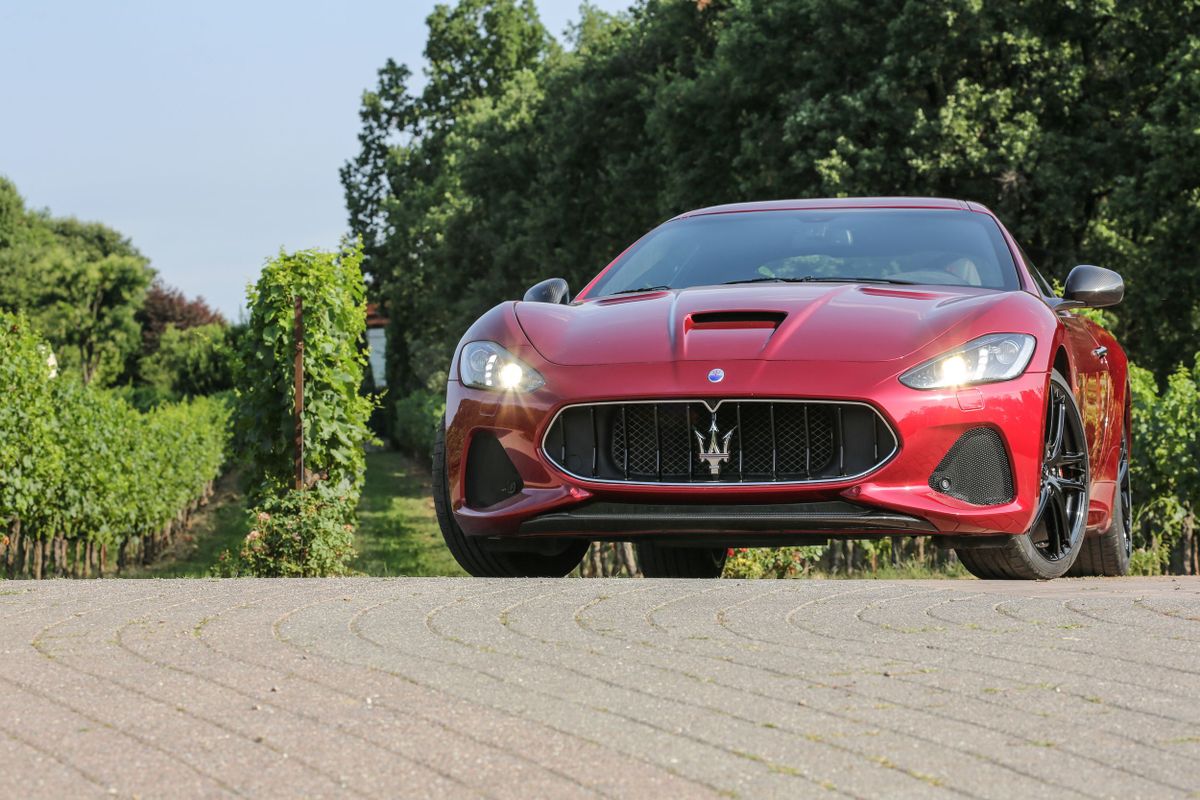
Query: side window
(1042,284)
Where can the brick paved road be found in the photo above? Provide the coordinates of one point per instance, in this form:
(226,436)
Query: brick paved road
(471,688)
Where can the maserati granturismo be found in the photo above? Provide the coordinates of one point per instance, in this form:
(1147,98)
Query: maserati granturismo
(790,372)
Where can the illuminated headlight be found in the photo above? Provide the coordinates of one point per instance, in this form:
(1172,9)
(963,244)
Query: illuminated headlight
(487,365)
(988,359)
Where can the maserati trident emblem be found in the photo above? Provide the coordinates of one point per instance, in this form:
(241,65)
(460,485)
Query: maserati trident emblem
(714,453)
(716,375)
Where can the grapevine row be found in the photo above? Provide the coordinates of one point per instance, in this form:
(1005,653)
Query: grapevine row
(85,478)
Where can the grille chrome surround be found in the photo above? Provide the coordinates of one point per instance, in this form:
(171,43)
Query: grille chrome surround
(796,442)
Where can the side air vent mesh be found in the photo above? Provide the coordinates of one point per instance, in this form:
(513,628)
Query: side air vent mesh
(976,470)
(491,476)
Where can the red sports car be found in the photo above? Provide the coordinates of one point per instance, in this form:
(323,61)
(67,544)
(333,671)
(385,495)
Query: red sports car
(790,372)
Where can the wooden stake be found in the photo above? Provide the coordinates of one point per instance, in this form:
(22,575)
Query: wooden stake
(298,381)
(14,544)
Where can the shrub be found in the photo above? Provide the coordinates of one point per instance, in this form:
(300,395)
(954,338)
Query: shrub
(771,562)
(301,534)
(1165,470)
(417,418)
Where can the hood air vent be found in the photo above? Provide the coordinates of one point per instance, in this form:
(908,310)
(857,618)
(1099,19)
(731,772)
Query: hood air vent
(718,320)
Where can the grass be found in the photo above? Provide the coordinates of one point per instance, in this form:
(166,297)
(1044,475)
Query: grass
(398,533)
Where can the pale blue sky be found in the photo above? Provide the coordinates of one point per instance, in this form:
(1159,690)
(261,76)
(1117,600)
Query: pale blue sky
(210,132)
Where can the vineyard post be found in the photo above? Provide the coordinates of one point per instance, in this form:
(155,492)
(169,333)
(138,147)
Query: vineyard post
(298,380)
(14,543)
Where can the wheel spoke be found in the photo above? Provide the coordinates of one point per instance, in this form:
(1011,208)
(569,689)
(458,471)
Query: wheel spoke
(1043,501)
(1070,485)
(1064,485)
(1051,424)
(1126,496)
(1061,522)
(1059,422)
(1067,459)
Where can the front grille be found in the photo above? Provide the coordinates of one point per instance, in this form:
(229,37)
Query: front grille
(975,470)
(756,441)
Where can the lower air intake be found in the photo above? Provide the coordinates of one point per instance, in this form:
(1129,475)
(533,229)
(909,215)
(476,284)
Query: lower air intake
(491,476)
(975,470)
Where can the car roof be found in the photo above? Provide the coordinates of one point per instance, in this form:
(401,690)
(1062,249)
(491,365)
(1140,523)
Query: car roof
(839,202)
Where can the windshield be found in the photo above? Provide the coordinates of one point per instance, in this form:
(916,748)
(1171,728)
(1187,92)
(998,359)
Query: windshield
(920,246)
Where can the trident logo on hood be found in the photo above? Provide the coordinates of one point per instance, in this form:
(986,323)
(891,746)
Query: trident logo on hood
(714,453)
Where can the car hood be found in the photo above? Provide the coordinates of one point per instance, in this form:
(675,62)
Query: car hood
(786,322)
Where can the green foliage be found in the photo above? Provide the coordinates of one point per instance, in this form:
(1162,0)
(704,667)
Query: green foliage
(330,285)
(80,283)
(518,160)
(165,306)
(302,533)
(772,562)
(30,455)
(1165,468)
(190,362)
(417,418)
(331,289)
(79,463)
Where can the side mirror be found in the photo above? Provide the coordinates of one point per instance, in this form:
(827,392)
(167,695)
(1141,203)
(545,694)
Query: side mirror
(552,290)
(1093,287)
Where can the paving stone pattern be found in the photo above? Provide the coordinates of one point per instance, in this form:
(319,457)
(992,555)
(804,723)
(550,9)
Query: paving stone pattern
(600,688)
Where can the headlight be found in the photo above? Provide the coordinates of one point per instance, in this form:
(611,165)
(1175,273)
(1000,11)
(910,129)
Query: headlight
(996,357)
(487,365)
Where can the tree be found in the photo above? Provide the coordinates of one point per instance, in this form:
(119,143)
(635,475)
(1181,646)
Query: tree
(190,362)
(399,180)
(92,309)
(167,306)
(80,283)
(1074,121)
(474,48)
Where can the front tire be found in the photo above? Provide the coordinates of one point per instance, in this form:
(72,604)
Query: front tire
(474,555)
(662,561)
(1056,538)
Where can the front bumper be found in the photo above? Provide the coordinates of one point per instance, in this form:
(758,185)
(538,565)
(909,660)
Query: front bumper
(926,424)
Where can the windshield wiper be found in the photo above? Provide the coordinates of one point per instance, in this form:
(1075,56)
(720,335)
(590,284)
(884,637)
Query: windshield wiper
(818,279)
(765,280)
(831,279)
(641,289)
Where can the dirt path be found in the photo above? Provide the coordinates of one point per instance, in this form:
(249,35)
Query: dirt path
(619,688)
